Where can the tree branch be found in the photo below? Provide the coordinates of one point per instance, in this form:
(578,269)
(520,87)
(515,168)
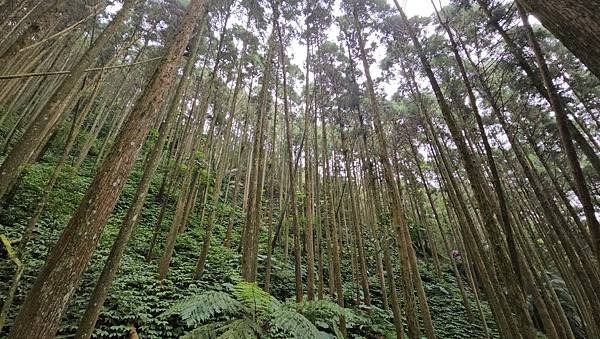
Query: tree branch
(25,75)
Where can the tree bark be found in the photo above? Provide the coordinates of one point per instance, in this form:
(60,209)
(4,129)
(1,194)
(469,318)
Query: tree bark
(562,121)
(42,310)
(253,214)
(45,122)
(396,205)
(576,23)
(94,306)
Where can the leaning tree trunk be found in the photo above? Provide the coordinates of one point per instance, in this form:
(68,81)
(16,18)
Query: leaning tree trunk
(477,183)
(399,223)
(44,306)
(53,110)
(576,23)
(88,321)
(562,122)
(517,264)
(536,80)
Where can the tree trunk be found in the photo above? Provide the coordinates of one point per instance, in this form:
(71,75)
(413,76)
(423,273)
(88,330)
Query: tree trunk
(333,231)
(576,23)
(45,122)
(42,310)
(396,205)
(308,185)
(251,229)
(562,121)
(94,306)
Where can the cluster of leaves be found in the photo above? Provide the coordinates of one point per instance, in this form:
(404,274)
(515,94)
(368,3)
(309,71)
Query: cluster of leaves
(249,312)
(450,319)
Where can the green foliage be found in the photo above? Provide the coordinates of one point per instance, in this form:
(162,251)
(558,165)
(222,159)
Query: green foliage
(293,323)
(323,313)
(448,313)
(253,297)
(199,308)
(245,313)
(362,325)
(135,298)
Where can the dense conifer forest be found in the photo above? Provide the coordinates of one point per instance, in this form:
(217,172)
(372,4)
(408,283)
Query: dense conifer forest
(300,169)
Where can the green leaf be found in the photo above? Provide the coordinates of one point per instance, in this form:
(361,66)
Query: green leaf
(197,309)
(294,324)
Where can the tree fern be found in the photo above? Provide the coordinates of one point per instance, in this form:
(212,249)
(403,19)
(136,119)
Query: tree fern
(323,313)
(293,323)
(245,328)
(207,331)
(319,309)
(218,315)
(199,308)
(253,297)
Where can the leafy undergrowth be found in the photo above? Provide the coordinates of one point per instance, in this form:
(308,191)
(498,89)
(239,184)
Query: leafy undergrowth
(137,300)
(450,319)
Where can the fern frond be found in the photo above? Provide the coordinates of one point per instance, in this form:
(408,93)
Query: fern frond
(325,314)
(199,308)
(244,328)
(207,331)
(320,310)
(294,324)
(253,297)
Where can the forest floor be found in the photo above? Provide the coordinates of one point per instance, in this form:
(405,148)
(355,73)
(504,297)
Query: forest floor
(136,299)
